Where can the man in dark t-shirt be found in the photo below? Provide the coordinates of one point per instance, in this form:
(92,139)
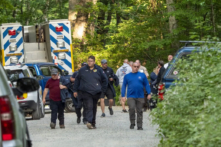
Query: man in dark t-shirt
(77,101)
(56,105)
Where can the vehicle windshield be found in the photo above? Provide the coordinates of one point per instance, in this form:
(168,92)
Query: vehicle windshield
(16,74)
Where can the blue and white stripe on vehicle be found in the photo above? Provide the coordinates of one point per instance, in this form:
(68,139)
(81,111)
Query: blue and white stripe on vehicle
(66,63)
(6,43)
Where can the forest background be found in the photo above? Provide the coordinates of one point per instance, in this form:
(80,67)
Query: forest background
(148,30)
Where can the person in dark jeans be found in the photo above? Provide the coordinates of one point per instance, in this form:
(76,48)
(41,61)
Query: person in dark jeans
(89,84)
(161,72)
(77,101)
(135,81)
(56,104)
(153,77)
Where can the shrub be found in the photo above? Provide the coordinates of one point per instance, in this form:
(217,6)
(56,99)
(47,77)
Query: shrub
(190,115)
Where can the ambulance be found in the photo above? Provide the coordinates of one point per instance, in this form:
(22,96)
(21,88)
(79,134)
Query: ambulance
(46,42)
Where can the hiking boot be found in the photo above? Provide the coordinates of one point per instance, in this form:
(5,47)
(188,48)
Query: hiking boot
(90,126)
(124,111)
(78,120)
(62,126)
(111,111)
(132,126)
(103,115)
(139,128)
(52,125)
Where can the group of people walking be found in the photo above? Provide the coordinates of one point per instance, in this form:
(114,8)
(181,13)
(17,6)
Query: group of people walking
(93,82)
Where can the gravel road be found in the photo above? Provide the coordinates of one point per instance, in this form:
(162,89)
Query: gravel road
(112,131)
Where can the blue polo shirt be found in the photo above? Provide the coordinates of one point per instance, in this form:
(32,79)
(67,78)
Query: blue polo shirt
(135,83)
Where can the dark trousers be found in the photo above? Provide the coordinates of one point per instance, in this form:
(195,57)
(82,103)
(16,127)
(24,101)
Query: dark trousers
(78,108)
(145,105)
(90,105)
(57,111)
(136,103)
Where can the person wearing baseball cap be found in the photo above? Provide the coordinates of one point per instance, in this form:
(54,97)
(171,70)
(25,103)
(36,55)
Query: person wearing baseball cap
(56,104)
(110,92)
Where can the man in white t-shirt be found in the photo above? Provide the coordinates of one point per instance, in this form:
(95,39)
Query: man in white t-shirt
(121,72)
(170,57)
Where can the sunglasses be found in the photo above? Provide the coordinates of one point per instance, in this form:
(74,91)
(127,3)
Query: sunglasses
(136,66)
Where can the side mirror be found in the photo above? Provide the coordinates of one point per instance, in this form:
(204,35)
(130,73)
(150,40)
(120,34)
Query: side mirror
(27,85)
(39,78)
(65,73)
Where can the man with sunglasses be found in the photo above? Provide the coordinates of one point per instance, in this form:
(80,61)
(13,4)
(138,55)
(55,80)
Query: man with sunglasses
(136,82)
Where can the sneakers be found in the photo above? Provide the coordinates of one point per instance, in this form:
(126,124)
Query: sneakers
(90,126)
(52,125)
(139,128)
(124,111)
(103,115)
(62,126)
(132,126)
(111,111)
(78,120)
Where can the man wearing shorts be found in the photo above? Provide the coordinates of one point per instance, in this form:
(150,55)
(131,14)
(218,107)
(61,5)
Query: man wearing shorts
(121,72)
(110,93)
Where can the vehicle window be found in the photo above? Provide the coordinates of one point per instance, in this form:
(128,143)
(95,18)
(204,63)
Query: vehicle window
(174,72)
(45,71)
(59,70)
(33,71)
(26,73)
(16,74)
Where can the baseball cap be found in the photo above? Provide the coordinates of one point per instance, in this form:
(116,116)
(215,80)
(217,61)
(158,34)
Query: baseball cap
(54,71)
(104,61)
(83,64)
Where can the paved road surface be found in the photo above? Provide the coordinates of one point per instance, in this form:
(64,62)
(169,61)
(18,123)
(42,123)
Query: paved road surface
(112,131)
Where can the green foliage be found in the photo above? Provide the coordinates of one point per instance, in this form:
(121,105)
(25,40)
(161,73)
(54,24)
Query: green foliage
(190,112)
(29,12)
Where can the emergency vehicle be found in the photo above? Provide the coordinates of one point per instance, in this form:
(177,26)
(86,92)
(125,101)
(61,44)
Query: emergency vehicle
(48,42)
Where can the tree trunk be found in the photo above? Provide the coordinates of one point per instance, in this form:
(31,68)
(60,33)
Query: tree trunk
(91,25)
(72,12)
(81,22)
(172,19)
(28,10)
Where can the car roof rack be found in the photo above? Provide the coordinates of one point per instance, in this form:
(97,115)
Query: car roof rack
(189,42)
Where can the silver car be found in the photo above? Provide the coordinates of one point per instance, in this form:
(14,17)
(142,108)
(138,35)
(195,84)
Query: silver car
(13,128)
(31,103)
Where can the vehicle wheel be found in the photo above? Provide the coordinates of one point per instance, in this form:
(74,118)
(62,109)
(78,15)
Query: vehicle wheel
(37,113)
(69,106)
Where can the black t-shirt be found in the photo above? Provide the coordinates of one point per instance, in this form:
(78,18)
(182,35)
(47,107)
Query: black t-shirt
(110,74)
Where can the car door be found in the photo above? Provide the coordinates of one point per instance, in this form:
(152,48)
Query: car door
(171,72)
(46,73)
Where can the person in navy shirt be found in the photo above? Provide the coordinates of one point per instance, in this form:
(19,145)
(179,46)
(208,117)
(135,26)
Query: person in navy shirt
(89,84)
(135,83)
(77,101)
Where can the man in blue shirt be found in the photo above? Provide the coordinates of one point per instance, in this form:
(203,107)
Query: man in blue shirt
(135,83)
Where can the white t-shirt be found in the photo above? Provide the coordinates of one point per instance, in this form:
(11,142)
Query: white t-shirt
(166,65)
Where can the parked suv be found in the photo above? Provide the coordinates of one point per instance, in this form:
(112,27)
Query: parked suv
(13,127)
(171,73)
(31,103)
